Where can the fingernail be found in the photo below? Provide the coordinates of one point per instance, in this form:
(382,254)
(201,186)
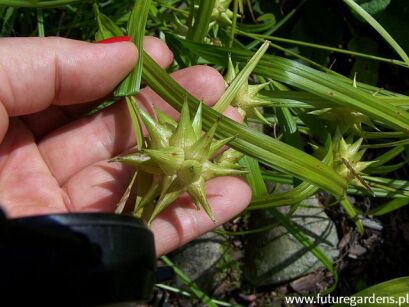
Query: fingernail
(116,39)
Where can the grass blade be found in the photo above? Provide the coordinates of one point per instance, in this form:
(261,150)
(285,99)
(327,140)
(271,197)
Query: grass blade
(390,206)
(202,19)
(294,196)
(136,29)
(106,27)
(192,286)
(352,213)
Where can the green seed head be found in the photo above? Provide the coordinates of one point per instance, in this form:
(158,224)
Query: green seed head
(247,101)
(347,159)
(221,12)
(179,157)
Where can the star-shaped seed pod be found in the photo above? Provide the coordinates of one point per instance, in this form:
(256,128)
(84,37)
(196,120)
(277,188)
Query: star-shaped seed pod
(347,160)
(347,120)
(179,157)
(247,101)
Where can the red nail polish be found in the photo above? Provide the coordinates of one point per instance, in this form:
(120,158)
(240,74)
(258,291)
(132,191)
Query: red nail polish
(116,39)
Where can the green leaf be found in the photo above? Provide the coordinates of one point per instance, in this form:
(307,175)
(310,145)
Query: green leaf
(267,22)
(390,293)
(106,27)
(390,206)
(136,29)
(255,144)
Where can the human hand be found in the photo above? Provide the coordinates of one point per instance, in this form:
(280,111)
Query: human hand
(53,161)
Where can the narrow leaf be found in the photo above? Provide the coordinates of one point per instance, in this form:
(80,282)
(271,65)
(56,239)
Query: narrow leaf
(136,29)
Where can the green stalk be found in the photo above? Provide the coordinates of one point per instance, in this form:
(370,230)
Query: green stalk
(278,25)
(322,47)
(234,22)
(202,19)
(352,213)
(35,4)
(372,21)
(136,29)
(40,23)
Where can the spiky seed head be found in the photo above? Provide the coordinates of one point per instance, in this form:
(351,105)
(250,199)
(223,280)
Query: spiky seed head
(178,158)
(347,159)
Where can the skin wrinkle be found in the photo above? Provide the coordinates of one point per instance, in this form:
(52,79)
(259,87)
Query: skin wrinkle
(67,199)
(57,76)
(4,121)
(109,136)
(5,88)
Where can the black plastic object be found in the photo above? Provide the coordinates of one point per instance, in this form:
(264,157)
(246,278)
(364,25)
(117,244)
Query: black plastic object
(85,259)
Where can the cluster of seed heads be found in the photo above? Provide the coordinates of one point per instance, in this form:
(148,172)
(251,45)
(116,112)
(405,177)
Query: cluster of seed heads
(179,157)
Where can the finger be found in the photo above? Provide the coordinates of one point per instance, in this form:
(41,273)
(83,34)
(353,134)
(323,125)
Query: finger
(38,72)
(4,122)
(203,82)
(181,222)
(58,116)
(110,132)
